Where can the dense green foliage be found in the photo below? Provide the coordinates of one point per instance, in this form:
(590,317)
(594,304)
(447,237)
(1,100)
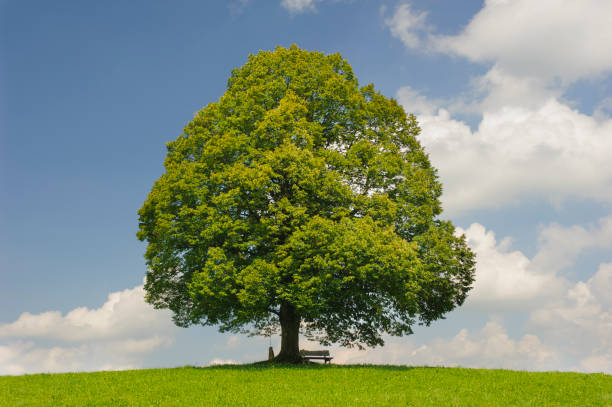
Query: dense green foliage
(308,386)
(303,201)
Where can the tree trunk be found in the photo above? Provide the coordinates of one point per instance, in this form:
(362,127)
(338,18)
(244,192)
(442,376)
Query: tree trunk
(290,335)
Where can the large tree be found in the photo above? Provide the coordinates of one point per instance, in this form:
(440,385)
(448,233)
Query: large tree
(302,201)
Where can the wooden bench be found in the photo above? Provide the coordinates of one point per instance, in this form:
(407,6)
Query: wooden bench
(316,354)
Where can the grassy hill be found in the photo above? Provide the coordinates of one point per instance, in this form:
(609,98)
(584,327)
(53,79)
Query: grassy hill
(256,385)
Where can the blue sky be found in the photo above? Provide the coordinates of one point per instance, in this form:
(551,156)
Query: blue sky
(514,98)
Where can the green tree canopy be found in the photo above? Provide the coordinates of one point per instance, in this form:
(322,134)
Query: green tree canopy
(302,201)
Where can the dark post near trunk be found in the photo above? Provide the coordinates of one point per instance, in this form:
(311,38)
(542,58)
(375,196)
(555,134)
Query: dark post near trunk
(290,335)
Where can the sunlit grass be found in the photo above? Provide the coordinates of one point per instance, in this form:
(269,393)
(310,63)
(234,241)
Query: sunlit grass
(315,385)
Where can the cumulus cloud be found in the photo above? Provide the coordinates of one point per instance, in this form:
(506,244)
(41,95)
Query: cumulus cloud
(125,313)
(409,26)
(560,245)
(415,103)
(529,144)
(298,6)
(597,363)
(569,323)
(498,89)
(22,357)
(550,39)
(117,335)
(560,313)
(604,108)
(491,347)
(560,40)
(517,154)
(583,318)
(488,347)
(506,279)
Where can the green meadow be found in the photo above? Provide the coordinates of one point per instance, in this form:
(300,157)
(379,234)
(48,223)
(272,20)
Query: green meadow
(314,385)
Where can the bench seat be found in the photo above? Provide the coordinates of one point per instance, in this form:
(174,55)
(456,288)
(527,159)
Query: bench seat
(316,354)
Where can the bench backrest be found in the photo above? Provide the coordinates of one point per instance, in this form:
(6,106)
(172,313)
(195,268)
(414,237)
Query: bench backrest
(314,352)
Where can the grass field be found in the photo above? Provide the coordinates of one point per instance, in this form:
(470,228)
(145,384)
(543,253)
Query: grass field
(255,385)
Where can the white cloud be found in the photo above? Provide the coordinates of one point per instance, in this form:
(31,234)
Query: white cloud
(133,346)
(572,319)
(559,245)
(601,286)
(415,103)
(569,323)
(125,313)
(409,26)
(498,89)
(232,342)
(529,145)
(220,362)
(517,154)
(604,108)
(550,40)
(116,336)
(597,363)
(9,363)
(298,6)
(22,357)
(489,347)
(505,279)
(581,321)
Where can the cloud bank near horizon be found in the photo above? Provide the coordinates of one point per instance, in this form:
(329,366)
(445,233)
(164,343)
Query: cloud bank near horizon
(561,314)
(568,323)
(117,335)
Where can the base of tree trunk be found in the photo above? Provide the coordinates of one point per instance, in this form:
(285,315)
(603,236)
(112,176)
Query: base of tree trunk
(292,359)
(290,335)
